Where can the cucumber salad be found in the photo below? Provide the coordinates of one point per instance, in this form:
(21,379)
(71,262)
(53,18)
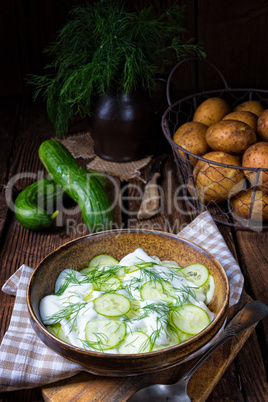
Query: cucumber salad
(136,305)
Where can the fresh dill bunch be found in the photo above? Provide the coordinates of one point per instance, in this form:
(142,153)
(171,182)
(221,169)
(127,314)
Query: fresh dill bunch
(104,47)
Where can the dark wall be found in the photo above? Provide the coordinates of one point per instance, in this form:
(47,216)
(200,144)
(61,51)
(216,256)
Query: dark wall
(234,34)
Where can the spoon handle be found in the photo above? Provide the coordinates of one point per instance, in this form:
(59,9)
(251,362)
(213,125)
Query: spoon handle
(250,314)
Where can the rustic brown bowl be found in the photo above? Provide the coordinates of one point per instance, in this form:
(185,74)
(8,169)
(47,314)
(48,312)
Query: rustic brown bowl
(119,243)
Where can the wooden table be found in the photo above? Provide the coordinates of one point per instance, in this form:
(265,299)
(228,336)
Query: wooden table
(23,126)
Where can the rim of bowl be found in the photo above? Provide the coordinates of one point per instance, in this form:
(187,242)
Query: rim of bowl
(223,309)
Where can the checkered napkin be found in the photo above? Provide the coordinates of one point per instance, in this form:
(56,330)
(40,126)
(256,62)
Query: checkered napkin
(26,362)
(204,232)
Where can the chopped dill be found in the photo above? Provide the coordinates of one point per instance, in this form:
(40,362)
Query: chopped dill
(106,271)
(143,346)
(162,312)
(70,277)
(69,312)
(172,292)
(103,341)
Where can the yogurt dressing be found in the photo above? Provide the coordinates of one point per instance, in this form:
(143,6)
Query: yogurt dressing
(80,294)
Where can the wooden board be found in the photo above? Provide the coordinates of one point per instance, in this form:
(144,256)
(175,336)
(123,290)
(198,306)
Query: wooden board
(88,387)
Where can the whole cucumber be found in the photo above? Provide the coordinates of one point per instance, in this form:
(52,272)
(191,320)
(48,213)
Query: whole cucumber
(31,203)
(100,176)
(82,186)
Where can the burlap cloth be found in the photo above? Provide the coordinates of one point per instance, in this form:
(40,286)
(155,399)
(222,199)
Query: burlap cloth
(81,145)
(26,362)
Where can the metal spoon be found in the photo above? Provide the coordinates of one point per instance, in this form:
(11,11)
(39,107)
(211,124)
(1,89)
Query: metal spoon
(250,314)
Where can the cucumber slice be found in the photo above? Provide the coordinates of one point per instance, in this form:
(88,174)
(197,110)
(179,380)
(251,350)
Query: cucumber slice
(173,339)
(109,284)
(63,336)
(171,265)
(200,294)
(87,270)
(135,311)
(93,295)
(112,305)
(209,289)
(190,319)
(57,330)
(102,259)
(87,294)
(131,268)
(158,290)
(105,334)
(54,329)
(184,337)
(173,334)
(135,342)
(198,274)
(137,266)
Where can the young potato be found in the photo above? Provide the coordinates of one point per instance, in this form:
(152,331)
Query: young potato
(189,127)
(191,137)
(246,117)
(211,111)
(243,202)
(230,136)
(217,183)
(262,126)
(252,106)
(256,156)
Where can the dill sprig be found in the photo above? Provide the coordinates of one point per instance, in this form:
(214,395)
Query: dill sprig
(103,47)
(148,273)
(104,271)
(182,293)
(143,346)
(162,312)
(69,312)
(161,309)
(69,277)
(102,340)
(100,343)
(100,276)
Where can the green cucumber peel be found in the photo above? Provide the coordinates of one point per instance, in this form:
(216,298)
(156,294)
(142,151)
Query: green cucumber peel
(31,204)
(83,187)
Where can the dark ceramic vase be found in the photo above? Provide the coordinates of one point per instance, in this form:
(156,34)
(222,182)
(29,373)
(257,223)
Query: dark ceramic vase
(120,125)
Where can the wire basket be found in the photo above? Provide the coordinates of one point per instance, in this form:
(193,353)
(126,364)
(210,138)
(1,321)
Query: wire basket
(226,209)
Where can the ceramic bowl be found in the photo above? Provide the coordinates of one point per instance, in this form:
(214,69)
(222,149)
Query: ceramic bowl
(166,246)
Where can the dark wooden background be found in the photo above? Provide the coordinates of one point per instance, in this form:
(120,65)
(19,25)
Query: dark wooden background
(233,32)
